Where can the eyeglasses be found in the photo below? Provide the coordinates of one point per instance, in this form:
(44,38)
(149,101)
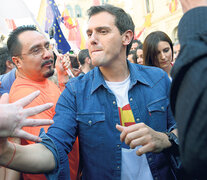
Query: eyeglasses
(38,50)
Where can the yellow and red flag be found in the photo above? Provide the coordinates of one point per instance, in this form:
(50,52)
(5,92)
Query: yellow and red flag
(173,5)
(11,24)
(126,116)
(139,34)
(67,19)
(80,39)
(147,22)
(96,3)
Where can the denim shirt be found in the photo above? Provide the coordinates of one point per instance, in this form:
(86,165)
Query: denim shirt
(88,109)
(7,81)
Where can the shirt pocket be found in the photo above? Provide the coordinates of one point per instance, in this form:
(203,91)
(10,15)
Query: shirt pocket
(91,129)
(158,113)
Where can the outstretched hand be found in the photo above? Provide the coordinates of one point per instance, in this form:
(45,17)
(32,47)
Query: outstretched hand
(13,117)
(141,134)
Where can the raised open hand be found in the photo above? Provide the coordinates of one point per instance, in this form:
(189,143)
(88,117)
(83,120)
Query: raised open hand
(13,117)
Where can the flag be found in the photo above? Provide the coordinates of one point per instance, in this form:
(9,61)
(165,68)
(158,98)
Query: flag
(83,41)
(76,36)
(173,5)
(61,42)
(11,24)
(41,14)
(53,20)
(147,22)
(80,40)
(140,32)
(72,34)
(52,13)
(96,3)
(68,22)
(16,10)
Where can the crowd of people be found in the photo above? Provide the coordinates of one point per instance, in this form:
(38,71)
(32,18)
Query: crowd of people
(121,109)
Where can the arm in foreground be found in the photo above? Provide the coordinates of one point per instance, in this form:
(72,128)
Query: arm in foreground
(35,158)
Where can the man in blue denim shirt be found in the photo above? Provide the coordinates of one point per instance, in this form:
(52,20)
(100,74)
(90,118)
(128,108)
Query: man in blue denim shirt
(92,107)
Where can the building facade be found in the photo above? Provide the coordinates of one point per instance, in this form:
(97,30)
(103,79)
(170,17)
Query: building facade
(148,15)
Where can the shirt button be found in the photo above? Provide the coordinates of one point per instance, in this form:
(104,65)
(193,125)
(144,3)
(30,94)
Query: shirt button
(138,119)
(118,167)
(118,145)
(131,99)
(156,178)
(150,159)
(114,102)
(162,108)
(90,122)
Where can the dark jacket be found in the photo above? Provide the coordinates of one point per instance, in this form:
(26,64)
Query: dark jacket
(189,92)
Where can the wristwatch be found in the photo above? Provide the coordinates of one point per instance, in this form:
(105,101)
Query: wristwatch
(174,149)
(173,139)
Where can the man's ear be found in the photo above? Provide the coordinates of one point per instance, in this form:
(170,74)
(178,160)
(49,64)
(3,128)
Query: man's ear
(127,37)
(9,64)
(17,61)
(88,60)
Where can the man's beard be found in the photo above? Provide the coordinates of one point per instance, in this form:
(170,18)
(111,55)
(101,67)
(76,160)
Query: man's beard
(51,69)
(49,73)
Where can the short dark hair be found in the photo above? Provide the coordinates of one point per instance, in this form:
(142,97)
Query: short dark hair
(150,47)
(123,21)
(134,56)
(82,55)
(13,44)
(4,57)
(140,45)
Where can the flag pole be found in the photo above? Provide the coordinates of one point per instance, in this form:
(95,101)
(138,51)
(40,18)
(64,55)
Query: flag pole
(69,72)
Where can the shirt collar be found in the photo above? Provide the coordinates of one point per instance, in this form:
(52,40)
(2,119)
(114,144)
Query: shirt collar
(97,80)
(136,75)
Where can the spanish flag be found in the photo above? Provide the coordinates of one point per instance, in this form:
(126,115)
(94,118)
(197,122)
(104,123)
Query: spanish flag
(68,22)
(173,5)
(126,116)
(147,22)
